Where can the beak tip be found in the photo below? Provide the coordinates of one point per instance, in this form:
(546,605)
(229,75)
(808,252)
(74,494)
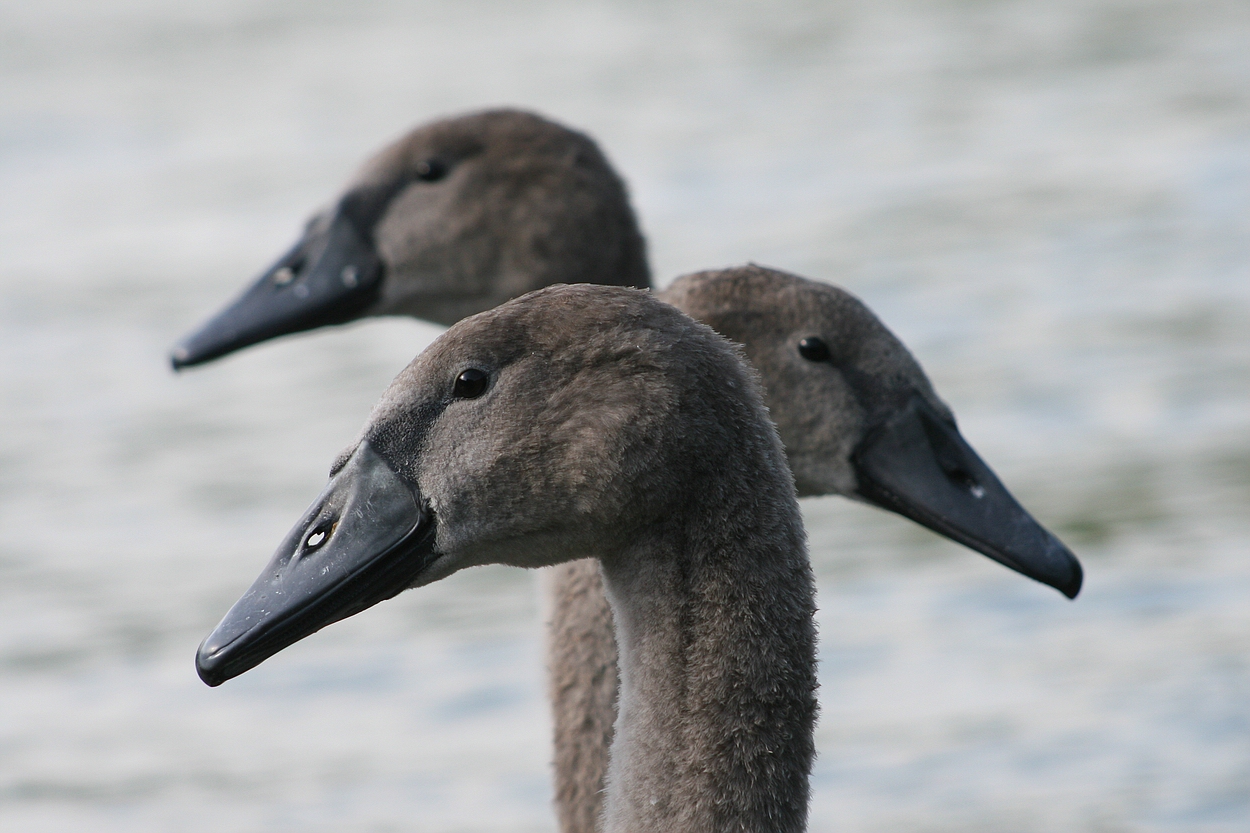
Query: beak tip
(209,665)
(207,676)
(1067,575)
(189,353)
(1073,587)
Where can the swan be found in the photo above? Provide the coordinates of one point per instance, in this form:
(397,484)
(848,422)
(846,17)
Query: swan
(453,218)
(857,417)
(575,420)
(464,213)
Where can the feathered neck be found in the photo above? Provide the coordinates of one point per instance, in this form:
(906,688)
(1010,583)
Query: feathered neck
(718,674)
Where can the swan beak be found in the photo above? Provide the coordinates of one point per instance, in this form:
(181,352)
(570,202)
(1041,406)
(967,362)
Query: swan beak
(365,539)
(331,276)
(918,465)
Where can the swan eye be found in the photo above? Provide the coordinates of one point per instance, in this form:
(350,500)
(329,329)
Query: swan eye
(814,350)
(470,384)
(431,170)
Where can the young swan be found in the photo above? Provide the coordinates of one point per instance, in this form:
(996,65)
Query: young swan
(588,420)
(465,213)
(453,218)
(858,418)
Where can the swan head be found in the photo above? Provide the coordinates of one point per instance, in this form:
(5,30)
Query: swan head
(574,421)
(859,417)
(454,218)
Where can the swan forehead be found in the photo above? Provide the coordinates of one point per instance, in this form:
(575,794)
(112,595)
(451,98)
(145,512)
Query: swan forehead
(758,306)
(573,348)
(607,343)
(520,138)
(769,311)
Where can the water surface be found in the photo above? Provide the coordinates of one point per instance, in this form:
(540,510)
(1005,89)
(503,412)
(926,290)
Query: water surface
(1049,201)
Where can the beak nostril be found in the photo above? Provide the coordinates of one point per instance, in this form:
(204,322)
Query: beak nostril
(950,457)
(966,481)
(283,276)
(318,536)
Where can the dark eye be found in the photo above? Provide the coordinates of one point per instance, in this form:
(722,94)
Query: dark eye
(814,350)
(470,384)
(431,170)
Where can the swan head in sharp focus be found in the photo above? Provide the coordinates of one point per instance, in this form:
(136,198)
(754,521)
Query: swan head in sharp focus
(454,218)
(859,417)
(564,424)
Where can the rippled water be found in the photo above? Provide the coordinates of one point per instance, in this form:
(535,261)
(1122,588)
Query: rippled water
(1049,201)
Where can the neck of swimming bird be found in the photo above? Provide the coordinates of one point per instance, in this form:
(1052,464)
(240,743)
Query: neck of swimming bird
(718,680)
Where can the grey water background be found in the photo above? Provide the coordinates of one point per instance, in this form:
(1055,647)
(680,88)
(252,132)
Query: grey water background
(1048,200)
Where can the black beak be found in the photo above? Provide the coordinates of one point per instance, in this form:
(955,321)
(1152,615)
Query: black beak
(365,539)
(331,276)
(918,465)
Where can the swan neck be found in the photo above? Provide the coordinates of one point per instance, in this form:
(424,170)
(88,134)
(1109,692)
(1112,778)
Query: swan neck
(718,684)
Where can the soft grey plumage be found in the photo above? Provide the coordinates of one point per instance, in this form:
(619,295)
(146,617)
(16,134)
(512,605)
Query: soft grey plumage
(464,213)
(616,426)
(453,218)
(823,411)
(525,203)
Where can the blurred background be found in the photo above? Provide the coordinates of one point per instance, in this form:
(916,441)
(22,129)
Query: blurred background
(1048,200)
